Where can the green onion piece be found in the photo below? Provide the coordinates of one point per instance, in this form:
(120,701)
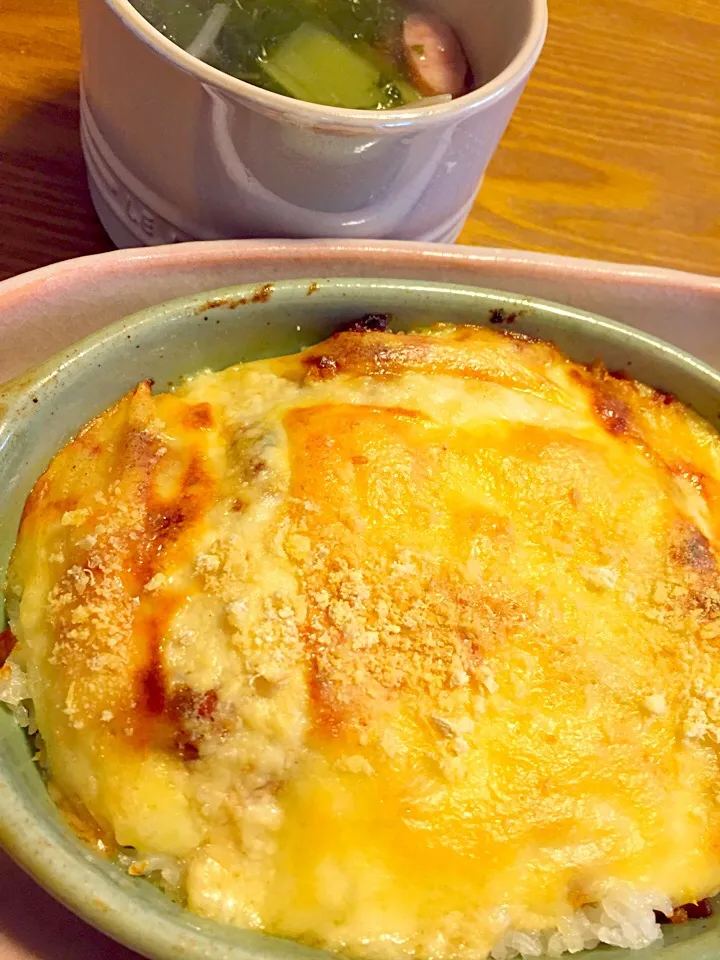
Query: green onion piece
(409,94)
(313,65)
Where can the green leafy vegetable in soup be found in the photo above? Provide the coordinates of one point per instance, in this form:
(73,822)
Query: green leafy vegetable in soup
(358,54)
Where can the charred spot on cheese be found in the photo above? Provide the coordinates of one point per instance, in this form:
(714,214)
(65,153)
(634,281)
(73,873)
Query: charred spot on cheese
(169,519)
(612,411)
(152,684)
(35,498)
(371,321)
(321,367)
(150,626)
(328,631)
(192,715)
(7,642)
(691,548)
(665,398)
(502,316)
(373,352)
(701,910)
(199,416)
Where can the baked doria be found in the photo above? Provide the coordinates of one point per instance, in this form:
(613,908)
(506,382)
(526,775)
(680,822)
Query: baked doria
(406,645)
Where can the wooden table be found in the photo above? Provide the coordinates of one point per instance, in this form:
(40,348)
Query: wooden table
(614,152)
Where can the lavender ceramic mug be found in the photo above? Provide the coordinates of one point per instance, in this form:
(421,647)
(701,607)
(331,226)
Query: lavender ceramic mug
(177,150)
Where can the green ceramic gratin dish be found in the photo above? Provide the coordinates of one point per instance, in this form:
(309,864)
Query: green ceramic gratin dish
(41,410)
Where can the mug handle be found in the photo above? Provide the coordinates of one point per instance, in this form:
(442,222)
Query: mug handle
(376,221)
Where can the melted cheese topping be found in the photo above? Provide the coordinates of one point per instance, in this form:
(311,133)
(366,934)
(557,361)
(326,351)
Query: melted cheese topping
(393,643)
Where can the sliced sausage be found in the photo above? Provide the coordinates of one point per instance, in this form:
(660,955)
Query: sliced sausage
(435,58)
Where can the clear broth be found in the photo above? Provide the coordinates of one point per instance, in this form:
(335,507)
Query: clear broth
(346,53)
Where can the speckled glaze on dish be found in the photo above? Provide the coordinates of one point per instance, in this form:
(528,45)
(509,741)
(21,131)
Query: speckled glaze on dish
(40,410)
(177,150)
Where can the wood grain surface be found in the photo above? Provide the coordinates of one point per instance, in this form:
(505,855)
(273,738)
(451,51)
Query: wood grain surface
(613,153)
